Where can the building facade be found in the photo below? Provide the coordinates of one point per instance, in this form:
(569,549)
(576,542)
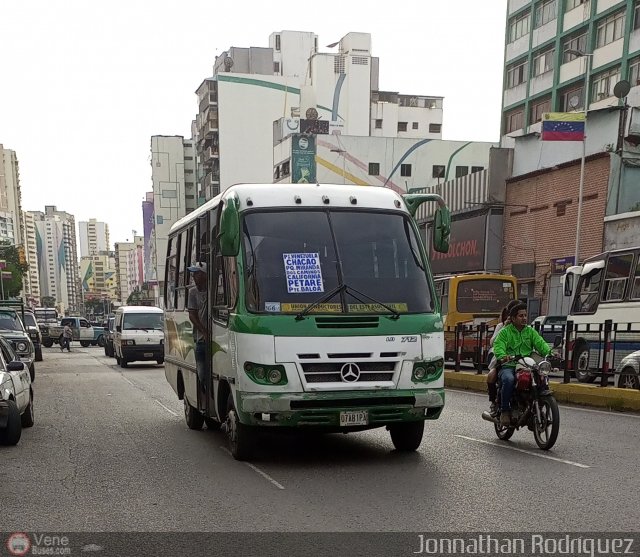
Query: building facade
(94,237)
(32,276)
(544,69)
(10,198)
(57,257)
(129,261)
(99,276)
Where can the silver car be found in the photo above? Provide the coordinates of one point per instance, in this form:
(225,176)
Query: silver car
(629,376)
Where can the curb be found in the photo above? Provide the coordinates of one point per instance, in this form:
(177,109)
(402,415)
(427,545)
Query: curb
(585,395)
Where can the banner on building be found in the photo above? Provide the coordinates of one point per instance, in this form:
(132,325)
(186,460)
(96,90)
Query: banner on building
(303,159)
(466,247)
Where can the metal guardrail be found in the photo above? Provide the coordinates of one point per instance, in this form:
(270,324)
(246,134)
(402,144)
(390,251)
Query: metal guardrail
(607,343)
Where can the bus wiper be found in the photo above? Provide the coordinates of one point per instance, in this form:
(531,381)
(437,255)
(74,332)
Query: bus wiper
(351,290)
(323,299)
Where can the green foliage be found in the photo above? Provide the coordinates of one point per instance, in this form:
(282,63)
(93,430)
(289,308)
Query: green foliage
(9,253)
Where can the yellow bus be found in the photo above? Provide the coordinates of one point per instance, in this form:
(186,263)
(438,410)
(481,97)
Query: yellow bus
(471,299)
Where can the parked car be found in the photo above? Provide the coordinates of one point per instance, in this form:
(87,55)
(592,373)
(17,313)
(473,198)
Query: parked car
(12,329)
(629,376)
(16,395)
(550,326)
(110,331)
(98,334)
(35,335)
(82,331)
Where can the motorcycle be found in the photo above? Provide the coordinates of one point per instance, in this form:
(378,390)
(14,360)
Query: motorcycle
(532,404)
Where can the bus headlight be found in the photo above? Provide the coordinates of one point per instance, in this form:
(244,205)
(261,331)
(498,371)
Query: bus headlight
(265,374)
(419,372)
(427,371)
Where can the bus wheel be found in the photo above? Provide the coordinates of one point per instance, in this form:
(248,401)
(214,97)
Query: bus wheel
(240,436)
(193,418)
(408,436)
(581,365)
(212,424)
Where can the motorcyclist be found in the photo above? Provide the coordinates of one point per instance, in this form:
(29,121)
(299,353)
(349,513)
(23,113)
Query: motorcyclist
(515,339)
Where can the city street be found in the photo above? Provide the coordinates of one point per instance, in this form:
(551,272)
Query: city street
(110,452)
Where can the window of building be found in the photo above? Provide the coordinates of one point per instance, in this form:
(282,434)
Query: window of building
(571,4)
(636,15)
(514,120)
(616,278)
(519,27)
(516,74)
(610,29)
(572,100)
(379,124)
(278,42)
(538,109)
(543,62)
(188,158)
(188,171)
(414,125)
(545,12)
(402,126)
(634,72)
(438,171)
(405,170)
(635,287)
(604,83)
(475,169)
(286,168)
(576,42)
(435,128)
(461,171)
(374,169)
(276,67)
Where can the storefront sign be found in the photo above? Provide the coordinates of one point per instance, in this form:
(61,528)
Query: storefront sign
(466,247)
(560,265)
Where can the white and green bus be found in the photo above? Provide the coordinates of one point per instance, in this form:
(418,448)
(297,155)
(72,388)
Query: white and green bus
(322,312)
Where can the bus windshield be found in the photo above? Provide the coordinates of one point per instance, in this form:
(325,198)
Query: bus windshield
(294,258)
(483,295)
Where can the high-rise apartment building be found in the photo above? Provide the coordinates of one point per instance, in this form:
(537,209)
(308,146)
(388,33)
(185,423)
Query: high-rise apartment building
(173,173)
(129,257)
(57,257)
(10,197)
(551,44)
(99,276)
(32,276)
(94,237)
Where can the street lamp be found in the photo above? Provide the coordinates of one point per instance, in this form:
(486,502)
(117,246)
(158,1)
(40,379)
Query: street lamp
(585,104)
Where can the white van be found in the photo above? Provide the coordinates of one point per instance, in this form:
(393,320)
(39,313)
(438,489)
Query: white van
(139,335)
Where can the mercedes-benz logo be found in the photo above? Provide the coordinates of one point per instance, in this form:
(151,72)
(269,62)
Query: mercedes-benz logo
(350,372)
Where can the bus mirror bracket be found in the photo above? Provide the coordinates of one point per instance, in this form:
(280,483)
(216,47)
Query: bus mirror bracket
(230,228)
(441,217)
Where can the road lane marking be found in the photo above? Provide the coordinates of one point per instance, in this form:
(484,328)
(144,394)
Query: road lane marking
(167,409)
(567,406)
(256,469)
(130,382)
(532,453)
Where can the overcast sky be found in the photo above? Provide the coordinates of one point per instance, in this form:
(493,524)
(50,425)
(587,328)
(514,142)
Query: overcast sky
(85,84)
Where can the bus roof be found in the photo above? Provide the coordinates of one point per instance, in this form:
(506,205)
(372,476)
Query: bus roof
(609,253)
(302,195)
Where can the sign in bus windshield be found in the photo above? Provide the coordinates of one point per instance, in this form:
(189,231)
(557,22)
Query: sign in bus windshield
(483,295)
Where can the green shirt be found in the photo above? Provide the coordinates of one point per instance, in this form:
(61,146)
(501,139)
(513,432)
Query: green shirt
(511,342)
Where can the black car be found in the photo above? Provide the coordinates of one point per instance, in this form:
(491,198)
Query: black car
(33,329)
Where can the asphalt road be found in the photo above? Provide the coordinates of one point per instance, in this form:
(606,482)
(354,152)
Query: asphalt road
(110,452)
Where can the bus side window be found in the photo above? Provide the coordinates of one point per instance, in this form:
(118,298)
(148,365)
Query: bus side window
(170,274)
(635,286)
(182,274)
(615,283)
(220,311)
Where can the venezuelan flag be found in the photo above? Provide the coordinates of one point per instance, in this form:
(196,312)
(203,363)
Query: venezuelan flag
(563,126)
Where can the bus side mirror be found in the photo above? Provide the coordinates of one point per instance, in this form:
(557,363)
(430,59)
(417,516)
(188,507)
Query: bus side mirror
(568,284)
(441,229)
(230,228)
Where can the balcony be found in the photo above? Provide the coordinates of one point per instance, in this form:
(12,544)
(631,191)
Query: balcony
(208,100)
(212,152)
(212,180)
(210,127)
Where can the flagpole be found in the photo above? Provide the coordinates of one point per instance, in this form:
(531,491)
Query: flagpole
(585,102)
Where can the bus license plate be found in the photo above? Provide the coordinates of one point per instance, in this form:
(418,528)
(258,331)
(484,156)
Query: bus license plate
(358,417)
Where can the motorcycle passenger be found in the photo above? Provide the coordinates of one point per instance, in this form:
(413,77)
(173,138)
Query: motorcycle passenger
(515,339)
(492,376)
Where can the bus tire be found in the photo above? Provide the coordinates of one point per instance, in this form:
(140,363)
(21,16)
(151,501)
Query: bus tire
(241,437)
(581,364)
(213,424)
(191,415)
(408,436)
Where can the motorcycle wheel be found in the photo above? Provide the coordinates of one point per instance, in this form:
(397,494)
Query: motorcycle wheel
(546,431)
(504,433)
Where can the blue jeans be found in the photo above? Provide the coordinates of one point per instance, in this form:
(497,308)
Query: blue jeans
(201,363)
(507,377)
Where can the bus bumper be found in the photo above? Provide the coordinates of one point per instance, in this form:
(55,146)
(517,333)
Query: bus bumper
(327,409)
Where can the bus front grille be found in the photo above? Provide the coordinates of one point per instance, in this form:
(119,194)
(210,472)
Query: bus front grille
(347,322)
(331,372)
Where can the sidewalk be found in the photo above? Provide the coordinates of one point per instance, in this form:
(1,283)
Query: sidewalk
(574,393)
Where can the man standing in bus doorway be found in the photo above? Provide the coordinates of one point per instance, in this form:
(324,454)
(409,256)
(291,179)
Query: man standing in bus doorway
(197,306)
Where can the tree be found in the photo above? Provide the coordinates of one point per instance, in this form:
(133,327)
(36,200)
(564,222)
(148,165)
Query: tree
(15,265)
(48,301)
